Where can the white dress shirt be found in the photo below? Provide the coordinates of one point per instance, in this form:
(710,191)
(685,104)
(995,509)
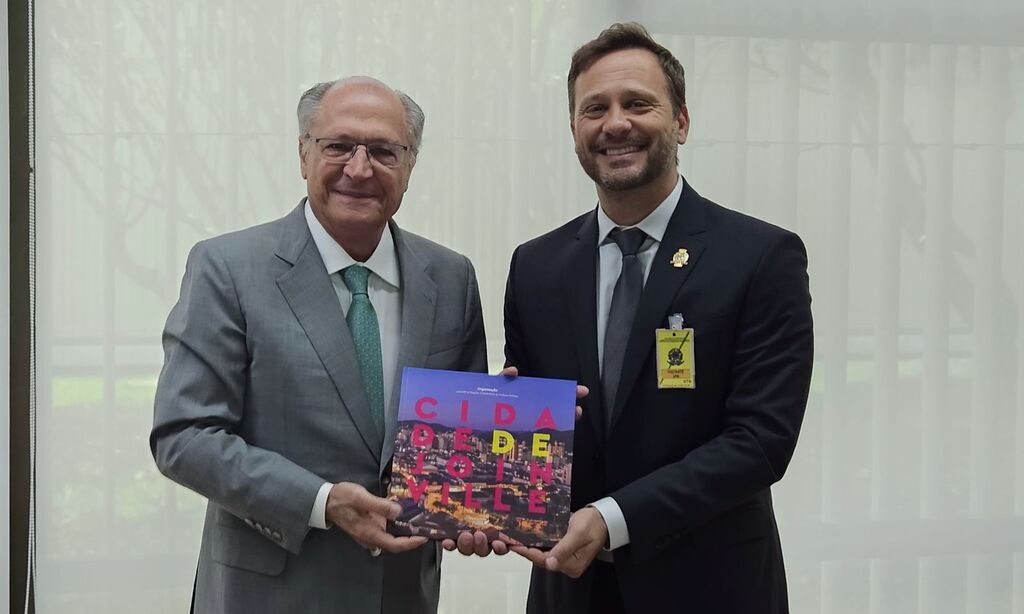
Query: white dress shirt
(384,290)
(609,266)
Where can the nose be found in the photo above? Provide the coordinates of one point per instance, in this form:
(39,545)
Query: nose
(359,166)
(617,122)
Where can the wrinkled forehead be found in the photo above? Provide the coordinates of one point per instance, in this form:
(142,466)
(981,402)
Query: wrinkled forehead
(362,110)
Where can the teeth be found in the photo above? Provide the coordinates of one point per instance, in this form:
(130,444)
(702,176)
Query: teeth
(622,150)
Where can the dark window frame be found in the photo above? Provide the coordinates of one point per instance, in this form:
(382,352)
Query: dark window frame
(19,40)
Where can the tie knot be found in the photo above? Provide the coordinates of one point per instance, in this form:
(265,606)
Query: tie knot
(629,240)
(355,277)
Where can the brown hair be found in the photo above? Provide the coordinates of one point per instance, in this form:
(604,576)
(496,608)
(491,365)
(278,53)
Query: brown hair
(630,35)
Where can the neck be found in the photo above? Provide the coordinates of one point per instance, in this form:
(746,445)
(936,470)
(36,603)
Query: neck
(359,245)
(630,207)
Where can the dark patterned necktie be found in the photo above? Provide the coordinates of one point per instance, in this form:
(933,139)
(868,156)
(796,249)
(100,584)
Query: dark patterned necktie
(625,298)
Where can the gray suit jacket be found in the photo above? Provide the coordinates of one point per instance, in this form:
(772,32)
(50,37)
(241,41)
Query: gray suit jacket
(259,402)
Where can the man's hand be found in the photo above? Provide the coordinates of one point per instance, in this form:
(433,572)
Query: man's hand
(352,508)
(581,391)
(475,543)
(575,552)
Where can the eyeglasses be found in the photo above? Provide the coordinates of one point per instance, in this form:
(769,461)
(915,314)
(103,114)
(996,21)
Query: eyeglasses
(342,150)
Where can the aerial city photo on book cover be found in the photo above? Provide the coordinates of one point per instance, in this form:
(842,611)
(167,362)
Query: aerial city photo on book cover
(483,452)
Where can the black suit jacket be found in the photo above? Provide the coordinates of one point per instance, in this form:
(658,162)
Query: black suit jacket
(690,469)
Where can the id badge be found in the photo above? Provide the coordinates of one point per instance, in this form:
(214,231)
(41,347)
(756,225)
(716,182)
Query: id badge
(675,358)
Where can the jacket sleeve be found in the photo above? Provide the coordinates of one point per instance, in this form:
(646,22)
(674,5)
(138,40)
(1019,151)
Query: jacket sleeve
(200,405)
(515,352)
(474,356)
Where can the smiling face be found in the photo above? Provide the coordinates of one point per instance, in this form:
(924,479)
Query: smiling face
(623,124)
(354,200)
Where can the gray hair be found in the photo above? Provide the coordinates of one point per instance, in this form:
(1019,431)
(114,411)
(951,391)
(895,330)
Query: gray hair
(309,106)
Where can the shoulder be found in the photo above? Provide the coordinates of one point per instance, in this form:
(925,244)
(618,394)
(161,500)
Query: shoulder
(743,231)
(424,248)
(723,218)
(447,268)
(555,241)
(430,252)
(747,252)
(244,240)
(246,246)
(244,259)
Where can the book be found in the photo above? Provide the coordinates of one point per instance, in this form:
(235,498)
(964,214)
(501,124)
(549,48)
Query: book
(483,452)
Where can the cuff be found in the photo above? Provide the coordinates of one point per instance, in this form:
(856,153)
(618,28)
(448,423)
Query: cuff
(318,517)
(618,533)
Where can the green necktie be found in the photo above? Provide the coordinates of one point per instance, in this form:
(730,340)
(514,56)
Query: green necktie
(362,321)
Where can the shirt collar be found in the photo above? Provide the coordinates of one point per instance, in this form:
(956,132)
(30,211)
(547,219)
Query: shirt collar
(654,225)
(383,262)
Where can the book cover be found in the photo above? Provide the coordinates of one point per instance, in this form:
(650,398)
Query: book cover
(483,452)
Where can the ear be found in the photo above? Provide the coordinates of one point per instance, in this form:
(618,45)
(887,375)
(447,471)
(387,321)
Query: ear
(683,123)
(303,151)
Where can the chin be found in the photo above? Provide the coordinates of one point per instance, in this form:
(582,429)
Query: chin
(622,181)
(370,222)
(349,219)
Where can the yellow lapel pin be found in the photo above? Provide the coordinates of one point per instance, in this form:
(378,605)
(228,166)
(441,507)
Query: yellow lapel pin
(680,258)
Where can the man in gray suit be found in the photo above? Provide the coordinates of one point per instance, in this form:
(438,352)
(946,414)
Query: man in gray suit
(283,356)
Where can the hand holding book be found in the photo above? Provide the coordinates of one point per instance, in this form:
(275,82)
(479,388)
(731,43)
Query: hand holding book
(587,534)
(352,508)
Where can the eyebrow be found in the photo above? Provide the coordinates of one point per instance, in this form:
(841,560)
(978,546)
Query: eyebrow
(355,139)
(629,93)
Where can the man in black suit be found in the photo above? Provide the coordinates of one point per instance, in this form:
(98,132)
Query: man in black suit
(683,436)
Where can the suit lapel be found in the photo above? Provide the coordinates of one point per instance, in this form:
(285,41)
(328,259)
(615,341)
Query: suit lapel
(419,300)
(685,231)
(580,283)
(308,290)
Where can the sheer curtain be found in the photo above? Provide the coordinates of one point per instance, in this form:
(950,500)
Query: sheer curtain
(889,135)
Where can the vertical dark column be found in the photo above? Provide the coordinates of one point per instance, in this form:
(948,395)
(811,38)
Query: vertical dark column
(19,68)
